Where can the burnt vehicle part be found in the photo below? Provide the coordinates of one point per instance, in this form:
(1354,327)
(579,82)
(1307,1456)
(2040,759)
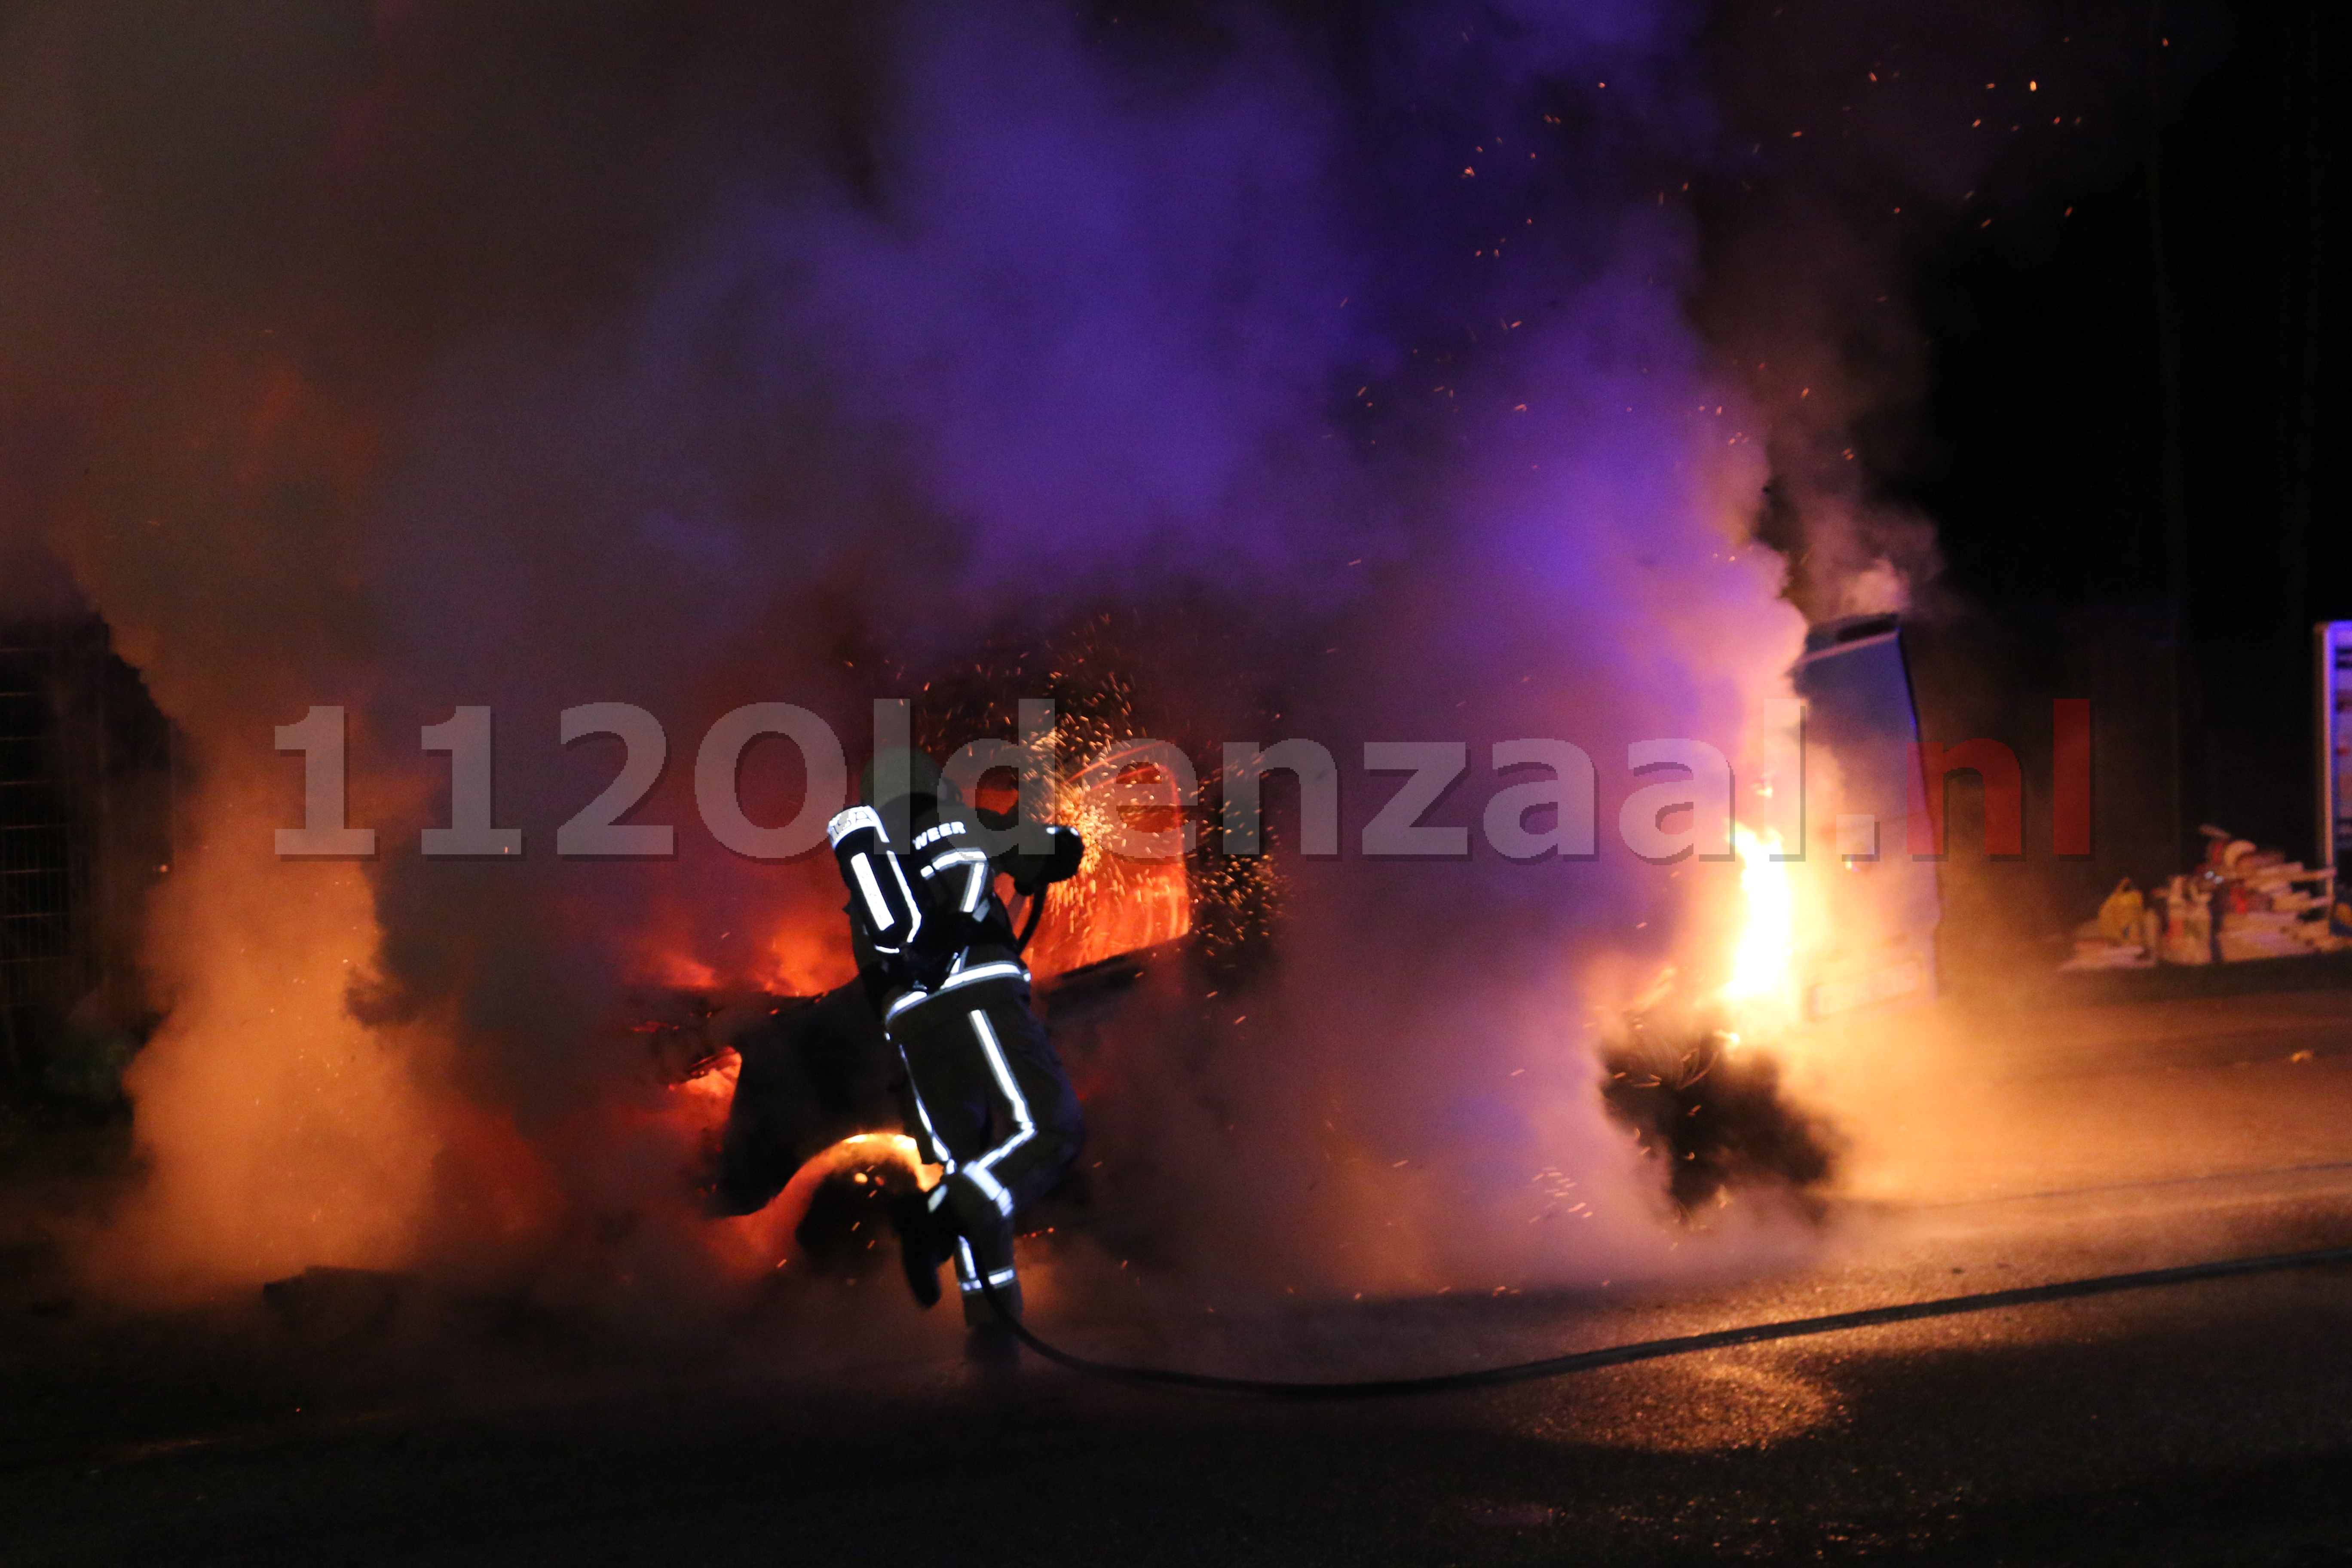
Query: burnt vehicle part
(1875,945)
(814,1072)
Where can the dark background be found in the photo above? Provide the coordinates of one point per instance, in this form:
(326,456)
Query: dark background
(2108,384)
(2130,447)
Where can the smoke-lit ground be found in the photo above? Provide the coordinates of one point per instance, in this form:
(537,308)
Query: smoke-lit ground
(2202,1423)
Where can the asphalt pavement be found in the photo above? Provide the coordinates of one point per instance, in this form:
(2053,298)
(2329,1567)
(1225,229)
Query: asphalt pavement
(2201,1422)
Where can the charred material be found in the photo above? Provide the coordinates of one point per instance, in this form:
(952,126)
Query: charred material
(814,1072)
(1717,1117)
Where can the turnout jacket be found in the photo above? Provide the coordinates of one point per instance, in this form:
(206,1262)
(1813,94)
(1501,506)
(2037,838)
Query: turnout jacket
(924,917)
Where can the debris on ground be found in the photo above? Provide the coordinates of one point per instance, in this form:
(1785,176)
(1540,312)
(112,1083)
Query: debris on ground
(2244,902)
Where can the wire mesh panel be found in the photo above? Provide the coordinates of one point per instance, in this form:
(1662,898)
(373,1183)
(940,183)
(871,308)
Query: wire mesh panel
(86,787)
(46,960)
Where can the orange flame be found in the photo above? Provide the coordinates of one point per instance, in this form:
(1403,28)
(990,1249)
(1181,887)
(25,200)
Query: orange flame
(1761,993)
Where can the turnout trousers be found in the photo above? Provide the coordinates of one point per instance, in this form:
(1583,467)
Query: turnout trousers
(991,1105)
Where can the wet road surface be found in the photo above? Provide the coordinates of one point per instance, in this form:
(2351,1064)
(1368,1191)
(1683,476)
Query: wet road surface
(2205,1422)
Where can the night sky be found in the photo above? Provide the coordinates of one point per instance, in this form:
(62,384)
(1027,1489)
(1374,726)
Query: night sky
(2138,390)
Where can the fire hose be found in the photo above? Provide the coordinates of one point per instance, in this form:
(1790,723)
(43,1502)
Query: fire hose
(1654,1350)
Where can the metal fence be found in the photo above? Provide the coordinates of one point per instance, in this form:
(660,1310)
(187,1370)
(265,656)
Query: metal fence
(81,748)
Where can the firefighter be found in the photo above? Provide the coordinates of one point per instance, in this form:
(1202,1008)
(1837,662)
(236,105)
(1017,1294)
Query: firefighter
(989,1100)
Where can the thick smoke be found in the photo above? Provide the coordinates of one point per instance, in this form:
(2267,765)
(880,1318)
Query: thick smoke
(409,354)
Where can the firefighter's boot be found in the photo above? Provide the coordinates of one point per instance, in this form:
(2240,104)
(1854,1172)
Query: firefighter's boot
(984,1272)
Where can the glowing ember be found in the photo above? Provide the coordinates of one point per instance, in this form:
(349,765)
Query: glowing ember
(868,1149)
(714,1077)
(1116,904)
